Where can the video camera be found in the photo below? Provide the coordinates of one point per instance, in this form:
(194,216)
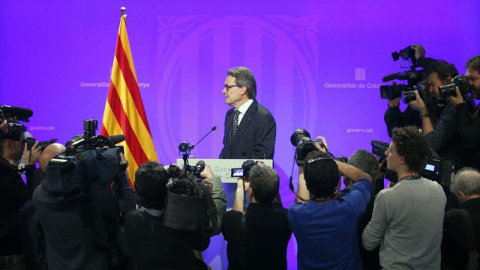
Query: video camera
(87,158)
(412,76)
(406,54)
(435,169)
(15,113)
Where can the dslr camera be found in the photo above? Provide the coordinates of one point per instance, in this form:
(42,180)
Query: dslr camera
(459,81)
(14,131)
(301,139)
(244,171)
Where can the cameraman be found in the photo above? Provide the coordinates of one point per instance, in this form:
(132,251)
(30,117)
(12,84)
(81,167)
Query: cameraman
(469,122)
(257,237)
(407,218)
(393,116)
(81,227)
(14,192)
(152,244)
(444,139)
(326,225)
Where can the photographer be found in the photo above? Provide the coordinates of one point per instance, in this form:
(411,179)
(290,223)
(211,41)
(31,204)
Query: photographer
(461,227)
(368,163)
(468,121)
(258,236)
(14,192)
(393,116)
(444,139)
(407,218)
(81,226)
(326,225)
(151,243)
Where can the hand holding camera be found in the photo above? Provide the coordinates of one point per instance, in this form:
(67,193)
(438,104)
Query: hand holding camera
(418,104)
(32,155)
(458,98)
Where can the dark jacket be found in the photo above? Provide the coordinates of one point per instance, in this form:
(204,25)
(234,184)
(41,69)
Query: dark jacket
(13,194)
(266,239)
(255,137)
(454,245)
(81,230)
(155,246)
(469,130)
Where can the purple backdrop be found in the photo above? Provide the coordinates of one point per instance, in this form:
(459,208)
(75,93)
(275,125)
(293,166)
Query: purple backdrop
(318,65)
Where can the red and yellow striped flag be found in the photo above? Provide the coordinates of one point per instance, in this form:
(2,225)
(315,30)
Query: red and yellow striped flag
(124,112)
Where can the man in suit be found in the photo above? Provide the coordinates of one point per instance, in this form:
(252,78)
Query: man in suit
(455,247)
(250,128)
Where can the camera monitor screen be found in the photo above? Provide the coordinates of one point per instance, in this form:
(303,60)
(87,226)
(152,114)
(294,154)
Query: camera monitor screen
(237,172)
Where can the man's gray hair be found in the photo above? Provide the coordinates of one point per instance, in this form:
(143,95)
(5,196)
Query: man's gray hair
(264,182)
(366,162)
(466,180)
(244,77)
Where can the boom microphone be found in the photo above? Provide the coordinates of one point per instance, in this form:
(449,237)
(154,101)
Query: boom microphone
(211,130)
(117,138)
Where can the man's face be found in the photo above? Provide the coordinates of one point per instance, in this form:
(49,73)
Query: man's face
(393,159)
(233,94)
(434,82)
(14,149)
(474,80)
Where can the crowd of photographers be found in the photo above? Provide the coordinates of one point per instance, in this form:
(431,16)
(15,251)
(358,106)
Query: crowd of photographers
(78,210)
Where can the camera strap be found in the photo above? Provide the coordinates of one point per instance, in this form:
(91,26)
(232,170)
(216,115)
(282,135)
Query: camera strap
(243,237)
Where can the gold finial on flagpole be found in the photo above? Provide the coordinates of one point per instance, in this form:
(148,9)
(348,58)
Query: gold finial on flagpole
(123,10)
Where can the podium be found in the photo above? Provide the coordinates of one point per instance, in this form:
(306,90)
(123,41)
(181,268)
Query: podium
(223,167)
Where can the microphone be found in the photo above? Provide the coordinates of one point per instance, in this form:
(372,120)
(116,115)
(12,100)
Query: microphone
(250,139)
(407,75)
(211,130)
(390,77)
(117,138)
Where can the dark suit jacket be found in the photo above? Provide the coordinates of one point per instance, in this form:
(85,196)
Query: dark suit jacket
(255,137)
(454,245)
(153,246)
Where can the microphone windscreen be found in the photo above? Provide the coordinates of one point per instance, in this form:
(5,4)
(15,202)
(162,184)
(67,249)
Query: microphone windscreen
(390,77)
(117,138)
(201,163)
(214,128)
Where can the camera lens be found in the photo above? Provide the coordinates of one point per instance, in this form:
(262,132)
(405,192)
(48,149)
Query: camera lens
(408,96)
(297,135)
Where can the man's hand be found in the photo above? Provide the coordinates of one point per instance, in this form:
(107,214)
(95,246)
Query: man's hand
(30,157)
(419,50)
(458,99)
(123,160)
(209,185)
(393,103)
(418,104)
(319,147)
(207,172)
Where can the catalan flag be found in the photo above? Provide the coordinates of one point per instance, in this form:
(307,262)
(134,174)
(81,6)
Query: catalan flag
(124,112)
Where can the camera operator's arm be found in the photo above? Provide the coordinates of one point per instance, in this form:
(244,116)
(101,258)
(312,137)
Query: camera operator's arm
(239,201)
(302,186)
(351,172)
(126,197)
(374,233)
(422,61)
(420,106)
(218,195)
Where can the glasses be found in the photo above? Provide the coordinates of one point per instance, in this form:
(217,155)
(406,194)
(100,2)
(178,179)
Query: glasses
(226,86)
